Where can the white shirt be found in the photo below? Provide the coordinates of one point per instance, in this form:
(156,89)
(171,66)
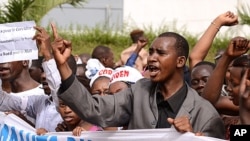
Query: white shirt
(35,91)
(35,106)
(39,106)
(53,78)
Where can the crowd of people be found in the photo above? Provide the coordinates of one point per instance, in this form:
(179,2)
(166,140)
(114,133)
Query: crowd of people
(166,86)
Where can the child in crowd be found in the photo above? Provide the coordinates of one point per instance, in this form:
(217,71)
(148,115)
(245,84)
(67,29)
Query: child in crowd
(72,122)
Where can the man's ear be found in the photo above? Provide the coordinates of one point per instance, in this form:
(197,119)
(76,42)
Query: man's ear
(181,61)
(26,63)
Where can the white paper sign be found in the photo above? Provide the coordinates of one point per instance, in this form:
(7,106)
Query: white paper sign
(16,42)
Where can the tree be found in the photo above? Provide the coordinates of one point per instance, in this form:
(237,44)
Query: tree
(24,10)
(244,13)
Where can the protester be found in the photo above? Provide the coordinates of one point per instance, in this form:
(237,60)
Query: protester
(16,73)
(201,48)
(80,74)
(35,69)
(142,105)
(140,44)
(54,80)
(122,78)
(17,81)
(244,97)
(84,57)
(200,74)
(236,48)
(72,122)
(81,62)
(39,107)
(105,55)
(99,83)
(141,61)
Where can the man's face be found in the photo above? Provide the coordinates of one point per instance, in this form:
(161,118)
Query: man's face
(199,77)
(10,71)
(162,60)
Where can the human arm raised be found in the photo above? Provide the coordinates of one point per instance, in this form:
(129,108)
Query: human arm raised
(109,110)
(141,43)
(212,90)
(43,41)
(61,50)
(201,48)
(49,66)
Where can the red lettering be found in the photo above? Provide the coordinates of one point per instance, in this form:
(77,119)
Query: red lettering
(100,72)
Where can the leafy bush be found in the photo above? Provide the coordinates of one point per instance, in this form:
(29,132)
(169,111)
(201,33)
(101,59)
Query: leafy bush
(85,39)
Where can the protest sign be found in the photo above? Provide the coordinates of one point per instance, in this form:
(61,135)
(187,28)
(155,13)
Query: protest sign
(12,128)
(16,41)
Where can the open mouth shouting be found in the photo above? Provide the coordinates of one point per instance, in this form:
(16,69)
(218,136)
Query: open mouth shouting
(154,70)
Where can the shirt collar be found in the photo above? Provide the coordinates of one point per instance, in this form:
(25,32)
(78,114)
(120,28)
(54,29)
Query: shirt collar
(175,101)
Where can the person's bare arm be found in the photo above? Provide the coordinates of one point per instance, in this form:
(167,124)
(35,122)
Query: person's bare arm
(201,48)
(43,41)
(141,43)
(212,90)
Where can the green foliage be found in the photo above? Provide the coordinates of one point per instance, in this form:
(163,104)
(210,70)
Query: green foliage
(84,40)
(15,10)
(244,14)
(25,10)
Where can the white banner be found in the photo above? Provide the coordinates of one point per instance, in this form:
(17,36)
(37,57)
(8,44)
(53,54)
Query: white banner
(12,128)
(16,41)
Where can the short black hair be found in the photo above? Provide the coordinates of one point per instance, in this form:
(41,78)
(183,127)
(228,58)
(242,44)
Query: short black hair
(100,52)
(136,34)
(205,63)
(181,44)
(38,62)
(243,62)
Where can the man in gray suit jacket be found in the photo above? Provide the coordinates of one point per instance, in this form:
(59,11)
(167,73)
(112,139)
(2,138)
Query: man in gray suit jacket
(163,101)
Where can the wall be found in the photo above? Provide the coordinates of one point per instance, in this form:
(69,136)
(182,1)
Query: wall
(106,13)
(194,15)
(191,15)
